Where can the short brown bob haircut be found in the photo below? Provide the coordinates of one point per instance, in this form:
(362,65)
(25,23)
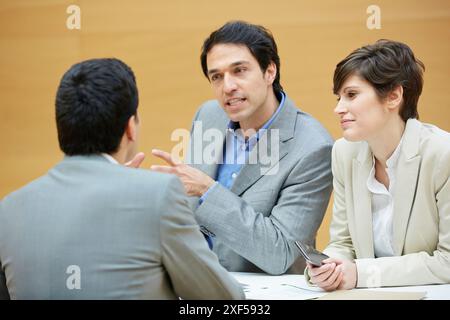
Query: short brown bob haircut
(385,65)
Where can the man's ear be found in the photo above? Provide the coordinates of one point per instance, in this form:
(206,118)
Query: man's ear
(271,73)
(395,97)
(131,130)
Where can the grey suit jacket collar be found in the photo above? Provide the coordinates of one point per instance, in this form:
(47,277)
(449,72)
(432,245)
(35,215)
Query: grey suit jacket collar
(285,122)
(83,160)
(90,157)
(406,183)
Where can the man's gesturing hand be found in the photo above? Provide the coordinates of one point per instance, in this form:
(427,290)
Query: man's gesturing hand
(195,182)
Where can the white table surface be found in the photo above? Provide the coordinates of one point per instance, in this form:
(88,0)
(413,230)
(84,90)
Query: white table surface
(259,286)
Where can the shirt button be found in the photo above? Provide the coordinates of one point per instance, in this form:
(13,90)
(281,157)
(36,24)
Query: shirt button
(234,175)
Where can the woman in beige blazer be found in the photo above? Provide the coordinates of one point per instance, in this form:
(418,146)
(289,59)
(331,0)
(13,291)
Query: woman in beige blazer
(391,212)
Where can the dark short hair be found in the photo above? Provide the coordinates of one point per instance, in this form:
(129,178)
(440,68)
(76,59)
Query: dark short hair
(94,102)
(256,38)
(385,65)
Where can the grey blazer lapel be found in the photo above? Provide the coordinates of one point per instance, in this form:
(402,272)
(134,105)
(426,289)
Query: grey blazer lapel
(406,183)
(362,202)
(211,168)
(285,124)
(218,121)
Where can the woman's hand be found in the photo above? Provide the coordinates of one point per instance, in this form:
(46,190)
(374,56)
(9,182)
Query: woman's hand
(334,274)
(328,276)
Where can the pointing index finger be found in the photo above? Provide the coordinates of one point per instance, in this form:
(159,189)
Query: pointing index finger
(163,155)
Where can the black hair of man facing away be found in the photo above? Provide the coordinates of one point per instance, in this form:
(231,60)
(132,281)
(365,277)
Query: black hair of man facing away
(108,87)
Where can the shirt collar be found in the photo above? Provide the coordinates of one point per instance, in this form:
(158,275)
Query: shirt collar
(393,159)
(391,165)
(109,158)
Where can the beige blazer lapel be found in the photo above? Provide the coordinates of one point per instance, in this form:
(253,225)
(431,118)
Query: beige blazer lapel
(406,183)
(362,203)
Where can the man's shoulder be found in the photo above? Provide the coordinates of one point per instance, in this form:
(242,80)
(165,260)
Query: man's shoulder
(141,181)
(308,128)
(97,169)
(308,123)
(98,177)
(210,109)
(30,187)
(210,105)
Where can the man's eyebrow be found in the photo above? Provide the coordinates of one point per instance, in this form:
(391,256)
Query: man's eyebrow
(234,64)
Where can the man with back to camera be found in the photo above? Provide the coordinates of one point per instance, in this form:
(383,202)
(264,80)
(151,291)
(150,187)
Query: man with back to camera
(252,212)
(94,229)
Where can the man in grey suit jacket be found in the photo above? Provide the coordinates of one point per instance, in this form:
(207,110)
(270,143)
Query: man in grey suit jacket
(268,180)
(94,229)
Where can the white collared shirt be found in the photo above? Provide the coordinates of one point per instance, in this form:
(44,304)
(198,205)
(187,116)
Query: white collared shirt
(383,206)
(109,158)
